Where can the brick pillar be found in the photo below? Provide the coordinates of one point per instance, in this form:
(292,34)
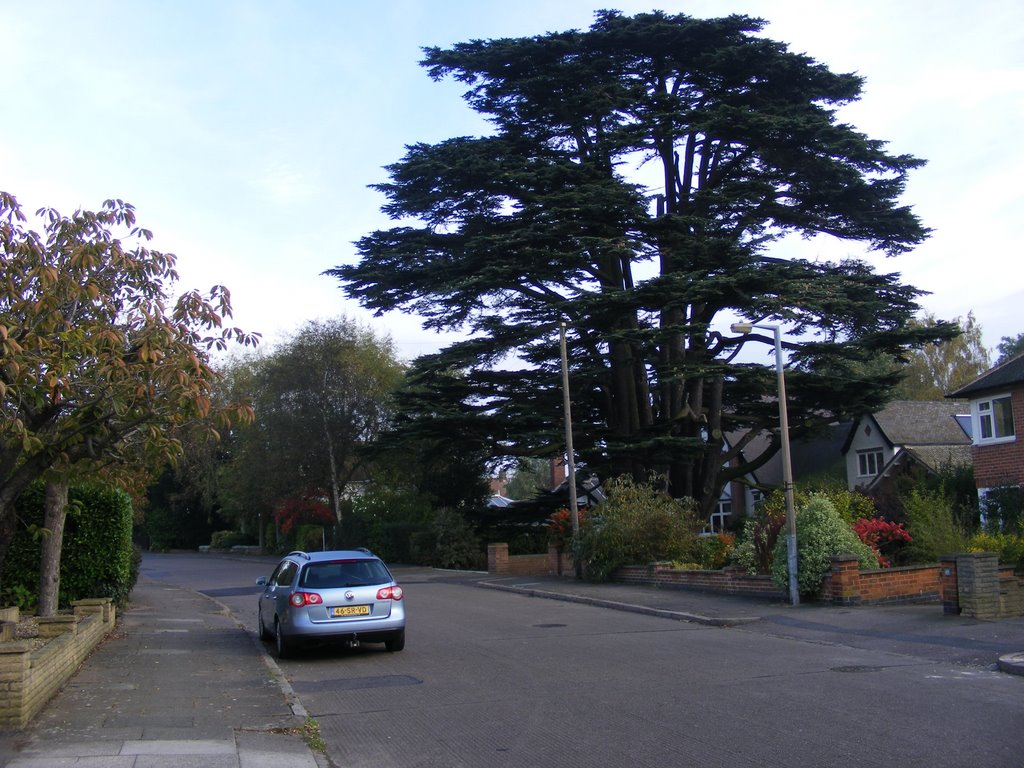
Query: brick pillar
(844,586)
(497,559)
(104,606)
(554,560)
(948,585)
(560,563)
(15,663)
(977,576)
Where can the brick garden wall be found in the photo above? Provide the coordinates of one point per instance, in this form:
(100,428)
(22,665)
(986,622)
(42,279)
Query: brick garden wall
(971,584)
(730,582)
(846,584)
(30,676)
(554,563)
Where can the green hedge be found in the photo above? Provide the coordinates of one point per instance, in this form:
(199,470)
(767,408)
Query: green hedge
(97,558)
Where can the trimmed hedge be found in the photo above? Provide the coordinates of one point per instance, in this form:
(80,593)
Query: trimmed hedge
(97,558)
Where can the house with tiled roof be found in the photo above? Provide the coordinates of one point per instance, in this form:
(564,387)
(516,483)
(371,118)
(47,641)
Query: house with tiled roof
(996,401)
(906,436)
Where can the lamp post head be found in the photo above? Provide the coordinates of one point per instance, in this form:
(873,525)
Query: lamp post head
(741,327)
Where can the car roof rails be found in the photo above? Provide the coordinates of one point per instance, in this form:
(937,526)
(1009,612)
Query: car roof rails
(298,553)
(363,549)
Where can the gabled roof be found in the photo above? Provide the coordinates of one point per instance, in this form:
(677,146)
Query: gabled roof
(1009,374)
(934,458)
(918,423)
(809,455)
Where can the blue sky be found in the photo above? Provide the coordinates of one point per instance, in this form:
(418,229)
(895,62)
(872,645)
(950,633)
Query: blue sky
(246,133)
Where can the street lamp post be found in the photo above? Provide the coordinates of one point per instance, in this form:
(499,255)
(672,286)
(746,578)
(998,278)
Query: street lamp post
(787,465)
(570,454)
(570,457)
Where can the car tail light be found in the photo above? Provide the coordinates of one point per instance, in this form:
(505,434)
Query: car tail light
(299,599)
(389,593)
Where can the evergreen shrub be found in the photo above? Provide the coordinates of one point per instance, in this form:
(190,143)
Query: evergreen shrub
(638,524)
(933,526)
(229,539)
(1009,547)
(821,532)
(98,558)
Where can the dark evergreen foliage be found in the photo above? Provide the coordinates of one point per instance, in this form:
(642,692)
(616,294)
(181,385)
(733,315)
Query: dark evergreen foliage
(636,173)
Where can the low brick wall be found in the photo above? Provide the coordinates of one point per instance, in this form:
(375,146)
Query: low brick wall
(728,581)
(846,584)
(980,589)
(554,563)
(30,676)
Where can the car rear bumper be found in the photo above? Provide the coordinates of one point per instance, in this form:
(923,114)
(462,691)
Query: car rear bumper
(369,630)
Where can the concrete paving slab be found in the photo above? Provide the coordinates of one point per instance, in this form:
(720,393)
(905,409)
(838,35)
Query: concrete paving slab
(179,747)
(170,688)
(75,762)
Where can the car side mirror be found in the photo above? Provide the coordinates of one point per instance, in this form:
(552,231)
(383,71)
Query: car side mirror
(261,581)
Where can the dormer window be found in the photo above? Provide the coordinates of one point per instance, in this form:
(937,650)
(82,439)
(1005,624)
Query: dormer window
(994,420)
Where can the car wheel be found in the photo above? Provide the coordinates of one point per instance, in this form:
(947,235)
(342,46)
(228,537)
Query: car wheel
(284,648)
(396,643)
(264,634)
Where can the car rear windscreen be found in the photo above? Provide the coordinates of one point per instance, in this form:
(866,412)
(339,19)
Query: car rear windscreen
(346,573)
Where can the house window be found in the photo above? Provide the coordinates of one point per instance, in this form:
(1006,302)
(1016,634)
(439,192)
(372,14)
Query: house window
(869,463)
(995,419)
(719,517)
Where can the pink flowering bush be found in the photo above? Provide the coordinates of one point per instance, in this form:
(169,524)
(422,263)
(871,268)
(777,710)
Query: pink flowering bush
(883,536)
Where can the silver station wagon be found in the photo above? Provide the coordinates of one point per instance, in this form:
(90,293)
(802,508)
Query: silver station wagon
(346,596)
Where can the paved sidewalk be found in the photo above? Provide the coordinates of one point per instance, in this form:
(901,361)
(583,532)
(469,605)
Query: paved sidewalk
(179,683)
(913,630)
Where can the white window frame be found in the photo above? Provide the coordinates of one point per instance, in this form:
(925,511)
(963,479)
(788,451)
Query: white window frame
(718,519)
(983,412)
(867,458)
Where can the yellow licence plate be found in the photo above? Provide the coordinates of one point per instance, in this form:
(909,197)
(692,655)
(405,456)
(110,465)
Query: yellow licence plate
(351,610)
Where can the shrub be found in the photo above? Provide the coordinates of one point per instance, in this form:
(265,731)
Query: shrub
(637,524)
(851,505)
(884,537)
(754,548)
(450,542)
(559,526)
(1003,509)
(1009,547)
(310,537)
(229,539)
(387,520)
(97,556)
(821,532)
(712,552)
(933,527)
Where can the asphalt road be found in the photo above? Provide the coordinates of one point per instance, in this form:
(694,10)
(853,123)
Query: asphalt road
(495,679)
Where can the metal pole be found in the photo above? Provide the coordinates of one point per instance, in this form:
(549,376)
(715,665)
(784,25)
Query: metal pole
(787,475)
(570,458)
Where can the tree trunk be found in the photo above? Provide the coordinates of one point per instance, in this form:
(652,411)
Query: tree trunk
(54,514)
(335,486)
